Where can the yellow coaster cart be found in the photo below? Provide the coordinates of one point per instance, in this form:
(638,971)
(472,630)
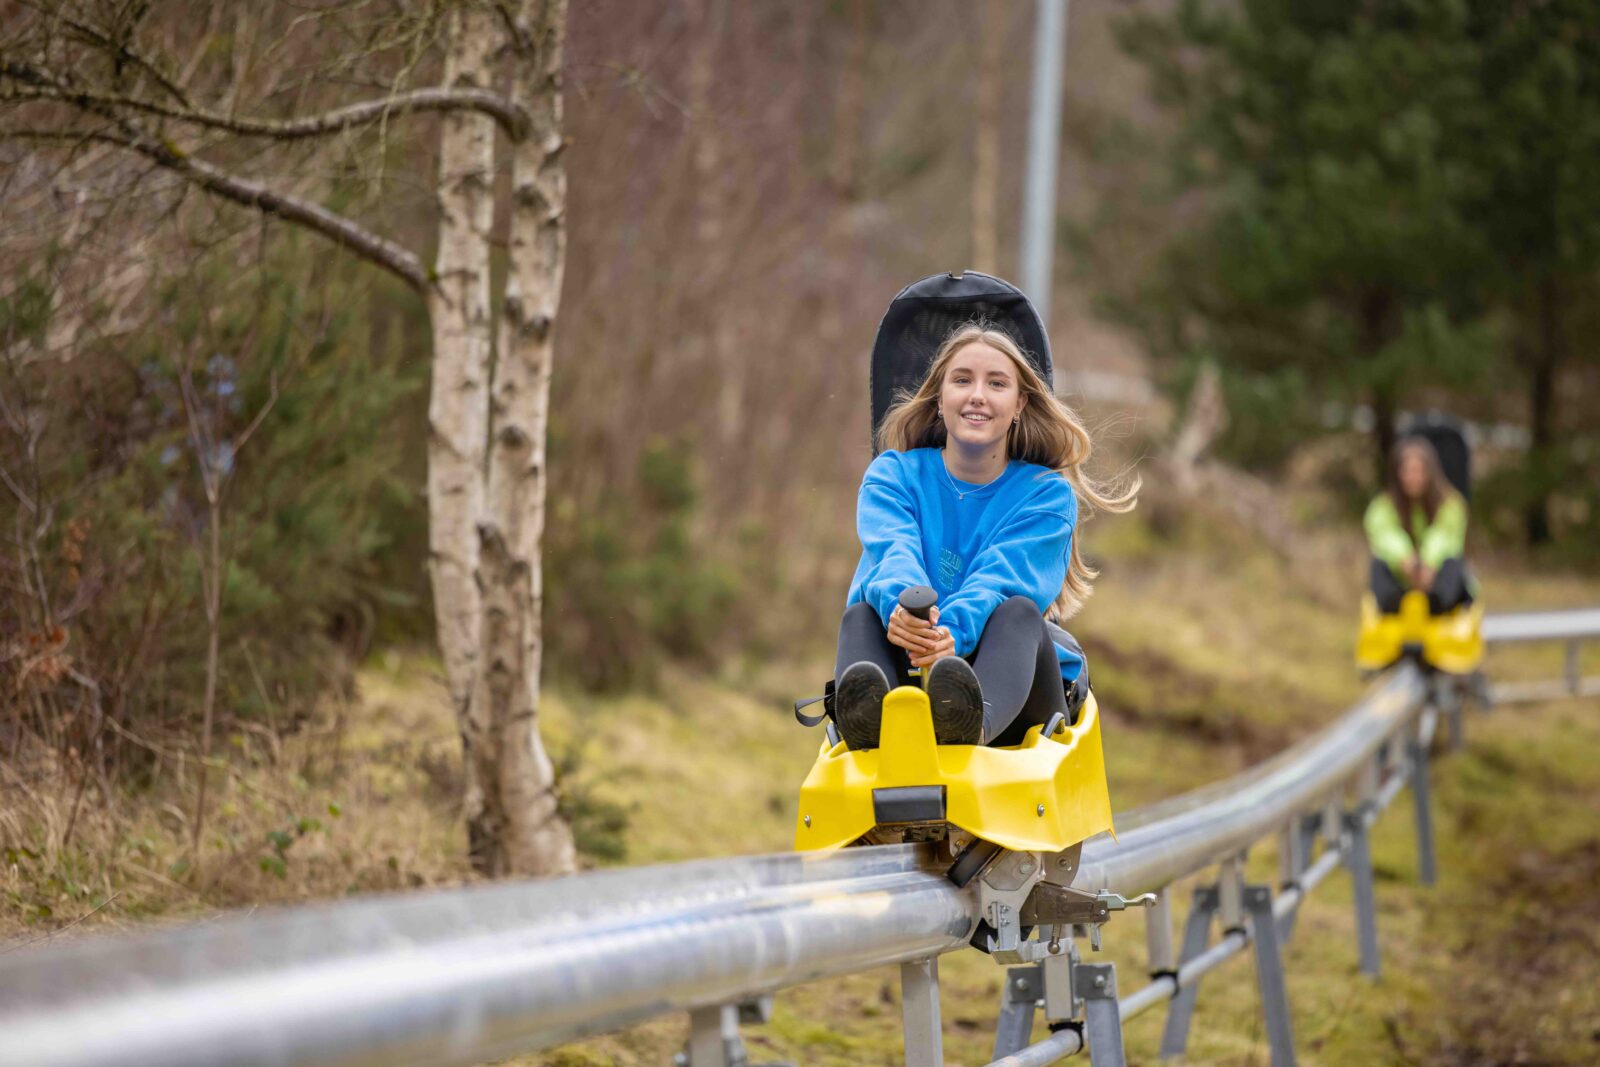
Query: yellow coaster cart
(1452,642)
(1014,819)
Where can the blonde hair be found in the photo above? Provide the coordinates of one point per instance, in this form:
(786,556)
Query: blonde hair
(1048,433)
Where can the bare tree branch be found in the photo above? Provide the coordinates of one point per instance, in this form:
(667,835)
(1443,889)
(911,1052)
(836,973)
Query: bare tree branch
(124,54)
(41,86)
(370,246)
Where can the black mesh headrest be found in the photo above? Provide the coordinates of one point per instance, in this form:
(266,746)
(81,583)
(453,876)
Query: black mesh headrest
(925,313)
(1448,437)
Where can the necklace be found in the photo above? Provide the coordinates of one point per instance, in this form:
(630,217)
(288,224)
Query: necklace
(962,495)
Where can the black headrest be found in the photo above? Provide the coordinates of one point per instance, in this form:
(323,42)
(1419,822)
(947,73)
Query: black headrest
(925,313)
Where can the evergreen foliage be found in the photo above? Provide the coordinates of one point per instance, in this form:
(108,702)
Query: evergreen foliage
(629,581)
(1337,252)
(1399,207)
(122,516)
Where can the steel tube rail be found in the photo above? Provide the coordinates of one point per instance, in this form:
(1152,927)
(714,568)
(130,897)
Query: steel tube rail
(465,976)
(1166,841)
(1573,627)
(1058,1046)
(1542,626)
(1069,1042)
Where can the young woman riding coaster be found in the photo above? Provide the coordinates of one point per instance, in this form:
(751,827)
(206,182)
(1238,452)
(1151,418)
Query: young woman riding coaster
(1417,530)
(977,493)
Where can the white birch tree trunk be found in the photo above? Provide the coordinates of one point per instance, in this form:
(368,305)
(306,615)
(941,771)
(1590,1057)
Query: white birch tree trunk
(458,409)
(520,822)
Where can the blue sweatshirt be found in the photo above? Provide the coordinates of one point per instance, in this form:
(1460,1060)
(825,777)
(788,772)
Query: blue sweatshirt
(1010,538)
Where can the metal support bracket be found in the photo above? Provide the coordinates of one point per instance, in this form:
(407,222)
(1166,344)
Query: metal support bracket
(1269,974)
(1358,859)
(1196,932)
(1024,987)
(1003,890)
(1102,1019)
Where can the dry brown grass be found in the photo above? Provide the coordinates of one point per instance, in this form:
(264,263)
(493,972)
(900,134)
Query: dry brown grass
(362,798)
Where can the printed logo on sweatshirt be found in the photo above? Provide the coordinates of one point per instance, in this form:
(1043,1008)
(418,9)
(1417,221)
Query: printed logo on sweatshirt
(949,569)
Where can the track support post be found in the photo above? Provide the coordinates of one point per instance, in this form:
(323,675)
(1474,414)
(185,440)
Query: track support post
(1024,986)
(1446,696)
(1196,932)
(919,1012)
(714,1038)
(1296,841)
(1158,934)
(1422,803)
(1269,974)
(1358,860)
(1102,1020)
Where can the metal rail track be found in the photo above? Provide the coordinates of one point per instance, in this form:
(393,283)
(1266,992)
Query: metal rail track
(463,976)
(1571,628)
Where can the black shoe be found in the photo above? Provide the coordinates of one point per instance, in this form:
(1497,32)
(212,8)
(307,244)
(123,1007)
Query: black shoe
(858,704)
(957,702)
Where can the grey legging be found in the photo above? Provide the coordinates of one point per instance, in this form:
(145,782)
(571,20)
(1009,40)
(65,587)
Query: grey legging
(1015,661)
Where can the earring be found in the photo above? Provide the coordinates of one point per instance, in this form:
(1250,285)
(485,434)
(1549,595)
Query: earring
(1017,418)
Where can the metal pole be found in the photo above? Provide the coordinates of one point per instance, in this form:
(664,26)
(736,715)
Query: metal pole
(1300,838)
(714,1037)
(1427,872)
(919,1012)
(1196,931)
(1359,861)
(1269,975)
(1044,149)
(1230,893)
(1448,699)
(1158,934)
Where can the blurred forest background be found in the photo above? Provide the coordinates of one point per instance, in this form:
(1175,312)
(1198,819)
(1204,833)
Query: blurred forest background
(1283,226)
(1348,214)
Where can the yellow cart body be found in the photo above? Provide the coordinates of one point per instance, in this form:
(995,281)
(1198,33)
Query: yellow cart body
(1045,794)
(1452,642)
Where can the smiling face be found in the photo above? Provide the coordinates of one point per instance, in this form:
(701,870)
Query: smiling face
(980,396)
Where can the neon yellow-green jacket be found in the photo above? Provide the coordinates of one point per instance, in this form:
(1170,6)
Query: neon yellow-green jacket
(1446,538)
